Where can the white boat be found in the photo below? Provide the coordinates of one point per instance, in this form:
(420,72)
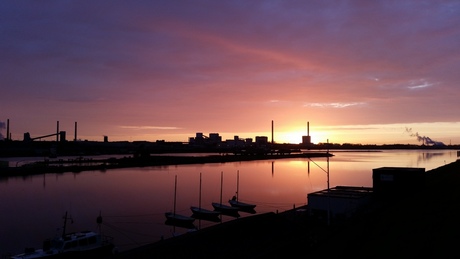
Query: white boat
(202,213)
(242,206)
(73,245)
(222,208)
(173,218)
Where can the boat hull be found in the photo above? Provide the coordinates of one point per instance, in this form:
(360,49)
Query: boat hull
(204,212)
(178,218)
(200,213)
(98,252)
(241,205)
(224,209)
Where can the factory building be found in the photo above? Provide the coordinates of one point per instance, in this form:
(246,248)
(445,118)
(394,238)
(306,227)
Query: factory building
(388,183)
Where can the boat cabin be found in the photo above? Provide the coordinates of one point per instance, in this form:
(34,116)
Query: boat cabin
(74,241)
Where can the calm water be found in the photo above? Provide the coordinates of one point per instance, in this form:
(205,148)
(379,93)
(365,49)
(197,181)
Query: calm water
(133,201)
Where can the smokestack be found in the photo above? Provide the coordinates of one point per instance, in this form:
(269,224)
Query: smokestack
(308,128)
(272,132)
(57,132)
(75,137)
(8,129)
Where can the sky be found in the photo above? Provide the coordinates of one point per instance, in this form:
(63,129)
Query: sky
(363,72)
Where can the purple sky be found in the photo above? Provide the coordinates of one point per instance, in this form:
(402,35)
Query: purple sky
(357,71)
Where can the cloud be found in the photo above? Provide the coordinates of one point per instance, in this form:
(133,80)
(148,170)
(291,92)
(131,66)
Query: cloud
(149,127)
(207,65)
(334,105)
(417,84)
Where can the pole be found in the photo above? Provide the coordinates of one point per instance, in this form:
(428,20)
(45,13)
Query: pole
(65,225)
(272,133)
(199,204)
(221,183)
(175,190)
(75,133)
(328,189)
(8,129)
(237,184)
(57,131)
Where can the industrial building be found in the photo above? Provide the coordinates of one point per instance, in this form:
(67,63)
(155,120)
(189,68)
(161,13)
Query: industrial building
(388,183)
(340,201)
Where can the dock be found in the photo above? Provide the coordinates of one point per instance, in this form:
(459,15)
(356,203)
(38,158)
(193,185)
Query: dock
(84,164)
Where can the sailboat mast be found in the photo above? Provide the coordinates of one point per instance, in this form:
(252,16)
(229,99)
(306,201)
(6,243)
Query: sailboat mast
(175,190)
(65,225)
(199,203)
(237,184)
(221,184)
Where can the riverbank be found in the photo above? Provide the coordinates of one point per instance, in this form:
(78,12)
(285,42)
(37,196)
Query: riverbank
(423,223)
(82,164)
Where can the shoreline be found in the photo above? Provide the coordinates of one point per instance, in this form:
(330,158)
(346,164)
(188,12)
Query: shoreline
(79,165)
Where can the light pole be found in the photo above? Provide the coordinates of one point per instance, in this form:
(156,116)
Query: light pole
(328,188)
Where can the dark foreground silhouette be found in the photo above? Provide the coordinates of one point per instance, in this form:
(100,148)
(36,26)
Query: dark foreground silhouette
(420,224)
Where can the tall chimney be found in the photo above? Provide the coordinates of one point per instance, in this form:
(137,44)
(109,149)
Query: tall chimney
(8,129)
(308,128)
(272,133)
(57,132)
(75,137)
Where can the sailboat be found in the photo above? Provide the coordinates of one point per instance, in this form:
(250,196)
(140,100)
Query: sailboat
(80,244)
(222,208)
(172,218)
(234,202)
(201,213)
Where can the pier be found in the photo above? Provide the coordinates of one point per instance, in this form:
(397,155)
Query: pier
(87,164)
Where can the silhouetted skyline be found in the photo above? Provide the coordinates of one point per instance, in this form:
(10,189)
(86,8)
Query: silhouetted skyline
(358,71)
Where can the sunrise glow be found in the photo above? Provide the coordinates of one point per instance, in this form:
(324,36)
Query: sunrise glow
(167,70)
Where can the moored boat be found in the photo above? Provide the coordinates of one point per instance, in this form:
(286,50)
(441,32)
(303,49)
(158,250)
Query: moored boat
(73,245)
(173,218)
(202,213)
(222,208)
(242,206)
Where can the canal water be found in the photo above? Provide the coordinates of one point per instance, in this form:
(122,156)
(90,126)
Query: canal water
(132,201)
